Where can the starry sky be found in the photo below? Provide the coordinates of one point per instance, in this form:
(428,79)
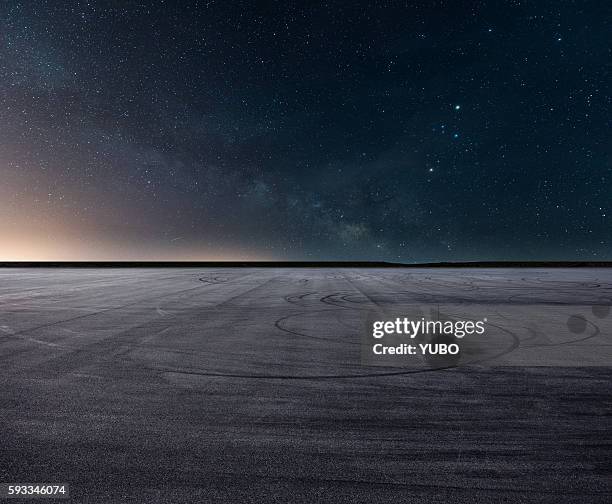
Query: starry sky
(218,130)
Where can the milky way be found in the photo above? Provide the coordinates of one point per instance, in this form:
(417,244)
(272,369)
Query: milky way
(304,131)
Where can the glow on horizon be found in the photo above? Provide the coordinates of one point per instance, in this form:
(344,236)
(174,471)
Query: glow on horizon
(33,232)
(48,241)
(16,247)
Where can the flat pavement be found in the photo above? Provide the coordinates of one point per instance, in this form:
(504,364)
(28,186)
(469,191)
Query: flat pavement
(247,385)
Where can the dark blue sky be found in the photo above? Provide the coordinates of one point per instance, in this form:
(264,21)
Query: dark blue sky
(403,131)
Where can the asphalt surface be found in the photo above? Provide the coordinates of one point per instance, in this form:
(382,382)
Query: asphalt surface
(247,385)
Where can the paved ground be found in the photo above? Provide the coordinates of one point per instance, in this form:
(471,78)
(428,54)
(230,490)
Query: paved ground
(245,385)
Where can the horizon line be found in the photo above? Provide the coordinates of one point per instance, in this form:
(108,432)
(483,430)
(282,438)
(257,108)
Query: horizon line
(280,264)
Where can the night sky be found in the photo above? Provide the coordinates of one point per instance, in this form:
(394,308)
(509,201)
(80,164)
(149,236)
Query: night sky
(398,131)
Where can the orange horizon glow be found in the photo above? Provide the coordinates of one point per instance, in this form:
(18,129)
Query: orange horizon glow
(35,238)
(32,230)
(17,247)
